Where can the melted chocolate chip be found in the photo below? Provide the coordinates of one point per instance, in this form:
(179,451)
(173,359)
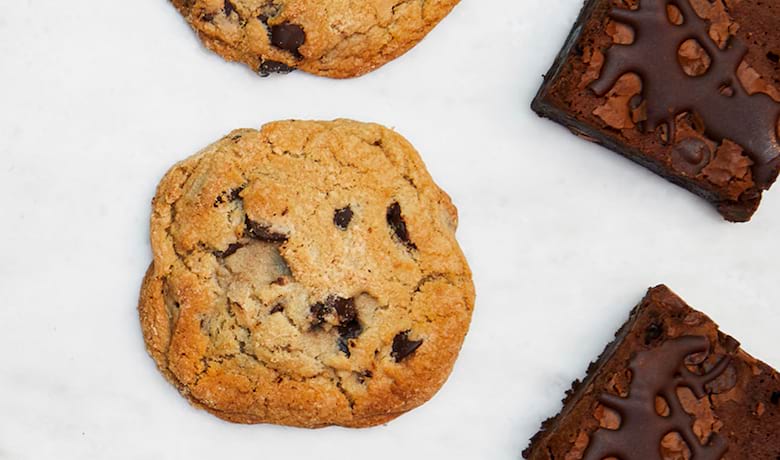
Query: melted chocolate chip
(278,308)
(344,309)
(343,345)
(774,57)
(289,37)
(235,193)
(318,310)
(345,314)
(361,377)
(343,217)
(269,67)
(690,156)
(229,8)
(351,330)
(231,249)
(232,194)
(403,347)
(347,332)
(653,332)
(263,233)
(775,398)
(397,223)
(208,17)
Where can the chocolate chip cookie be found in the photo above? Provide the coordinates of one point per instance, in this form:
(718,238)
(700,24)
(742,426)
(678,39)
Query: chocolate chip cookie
(333,38)
(306,274)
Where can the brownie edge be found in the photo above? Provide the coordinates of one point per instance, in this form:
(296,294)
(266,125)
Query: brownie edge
(695,154)
(715,401)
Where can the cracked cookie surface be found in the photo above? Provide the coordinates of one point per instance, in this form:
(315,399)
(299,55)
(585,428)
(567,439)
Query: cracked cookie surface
(333,38)
(306,274)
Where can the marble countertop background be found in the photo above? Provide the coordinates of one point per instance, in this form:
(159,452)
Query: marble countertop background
(99,98)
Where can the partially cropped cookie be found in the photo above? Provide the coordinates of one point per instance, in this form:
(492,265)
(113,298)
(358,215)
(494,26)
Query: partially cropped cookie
(333,38)
(306,274)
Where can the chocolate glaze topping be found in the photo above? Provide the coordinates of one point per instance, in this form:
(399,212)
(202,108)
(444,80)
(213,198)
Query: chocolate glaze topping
(658,373)
(717,96)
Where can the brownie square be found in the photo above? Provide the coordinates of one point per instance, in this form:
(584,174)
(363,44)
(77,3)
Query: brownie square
(671,386)
(689,89)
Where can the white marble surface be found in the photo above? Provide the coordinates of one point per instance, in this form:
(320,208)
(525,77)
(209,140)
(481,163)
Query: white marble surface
(99,98)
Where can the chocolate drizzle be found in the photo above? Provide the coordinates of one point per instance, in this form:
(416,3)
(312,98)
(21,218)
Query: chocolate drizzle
(750,121)
(658,373)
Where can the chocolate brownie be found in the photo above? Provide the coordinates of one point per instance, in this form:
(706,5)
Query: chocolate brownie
(671,386)
(689,89)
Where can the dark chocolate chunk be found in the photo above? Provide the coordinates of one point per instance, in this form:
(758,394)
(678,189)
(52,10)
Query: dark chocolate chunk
(395,220)
(343,308)
(278,308)
(229,8)
(351,330)
(362,376)
(774,57)
(263,232)
(289,37)
(403,347)
(346,317)
(208,17)
(347,332)
(230,195)
(343,217)
(231,249)
(775,398)
(319,311)
(235,193)
(268,67)
(343,345)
